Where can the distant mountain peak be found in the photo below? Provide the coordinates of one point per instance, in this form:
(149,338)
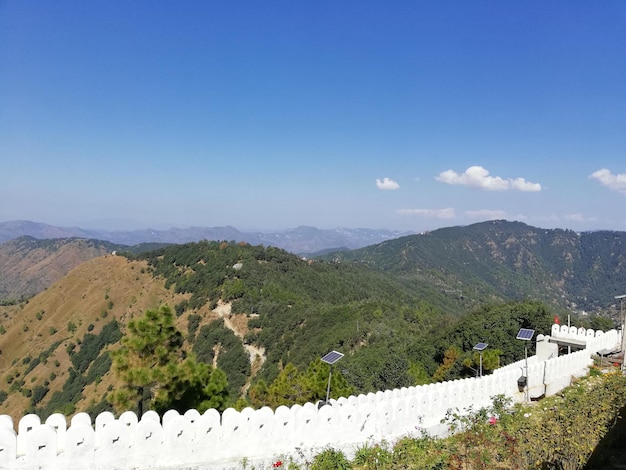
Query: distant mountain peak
(303,239)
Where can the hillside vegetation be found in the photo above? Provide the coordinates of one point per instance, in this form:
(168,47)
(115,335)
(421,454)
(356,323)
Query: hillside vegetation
(582,427)
(508,260)
(58,341)
(28,265)
(265,317)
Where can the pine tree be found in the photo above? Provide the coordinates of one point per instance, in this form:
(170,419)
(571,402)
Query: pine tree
(152,342)
(156,372)
(192,384)
(289,388)
(316,380)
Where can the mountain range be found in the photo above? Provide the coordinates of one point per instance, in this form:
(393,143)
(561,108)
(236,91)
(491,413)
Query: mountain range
(303,240)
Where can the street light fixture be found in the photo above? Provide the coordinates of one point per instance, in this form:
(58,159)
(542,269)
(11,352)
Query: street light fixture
(480,347)
(330,359)
(622,319)
(525,334)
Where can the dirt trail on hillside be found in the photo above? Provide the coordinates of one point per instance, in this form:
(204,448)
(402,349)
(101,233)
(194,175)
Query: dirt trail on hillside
(238,324)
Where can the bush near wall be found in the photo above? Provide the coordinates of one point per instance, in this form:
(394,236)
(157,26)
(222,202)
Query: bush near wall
(567,427)
(558,432)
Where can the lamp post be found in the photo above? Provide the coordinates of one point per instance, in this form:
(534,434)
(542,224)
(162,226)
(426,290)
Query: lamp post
(480,347)
(525,334)
(330,359)
(622,320)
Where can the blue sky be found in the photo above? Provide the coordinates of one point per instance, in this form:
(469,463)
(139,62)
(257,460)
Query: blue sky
(405,115)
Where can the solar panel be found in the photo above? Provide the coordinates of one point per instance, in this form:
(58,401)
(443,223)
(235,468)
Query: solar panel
(525,334)
(332,357)
(480,346)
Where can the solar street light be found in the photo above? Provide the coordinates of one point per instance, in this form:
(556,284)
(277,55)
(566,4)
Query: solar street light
(330,359)
(525,334)
(623,323)
(480,347)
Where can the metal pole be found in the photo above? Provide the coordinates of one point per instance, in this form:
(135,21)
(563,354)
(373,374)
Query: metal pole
(481,363)
(328,388)
(623,324)
(569,348)
(621,304)
(526,357)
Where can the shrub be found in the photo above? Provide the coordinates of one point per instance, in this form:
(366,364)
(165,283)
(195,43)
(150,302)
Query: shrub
(330,459)
(98,368)
(192,326)
(39,392)
(373,457)
(181,307)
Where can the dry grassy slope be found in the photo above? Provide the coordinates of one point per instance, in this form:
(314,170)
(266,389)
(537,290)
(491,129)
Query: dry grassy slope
(27,270)
(82,297)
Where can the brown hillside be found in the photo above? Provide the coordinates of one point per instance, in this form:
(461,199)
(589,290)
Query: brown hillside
(28,266)
(90,296)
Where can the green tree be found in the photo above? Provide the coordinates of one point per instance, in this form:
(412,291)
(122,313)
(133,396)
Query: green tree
(316,380)
(192,384)
(601,323)
(289,388)
(258,394)
(418,374)
(156,372)
(450,357)
(490,361)
(151,344)
(295,387)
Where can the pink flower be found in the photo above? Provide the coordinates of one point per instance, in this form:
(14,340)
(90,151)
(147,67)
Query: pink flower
(277,464)
(493,420)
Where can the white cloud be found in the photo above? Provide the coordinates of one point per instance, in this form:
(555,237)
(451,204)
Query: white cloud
(478,177)
(386,184)
(486,214)
(611,181)
(447,213)
(520,184)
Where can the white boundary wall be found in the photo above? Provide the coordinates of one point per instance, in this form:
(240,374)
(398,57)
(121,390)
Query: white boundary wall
(212,441)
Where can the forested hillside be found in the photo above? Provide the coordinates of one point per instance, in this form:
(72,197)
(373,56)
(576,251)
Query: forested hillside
(509,260)
(393,332)
(299,309)
(403,312)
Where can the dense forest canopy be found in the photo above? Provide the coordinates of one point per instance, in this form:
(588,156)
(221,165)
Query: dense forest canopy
(500,260)
(394,333)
